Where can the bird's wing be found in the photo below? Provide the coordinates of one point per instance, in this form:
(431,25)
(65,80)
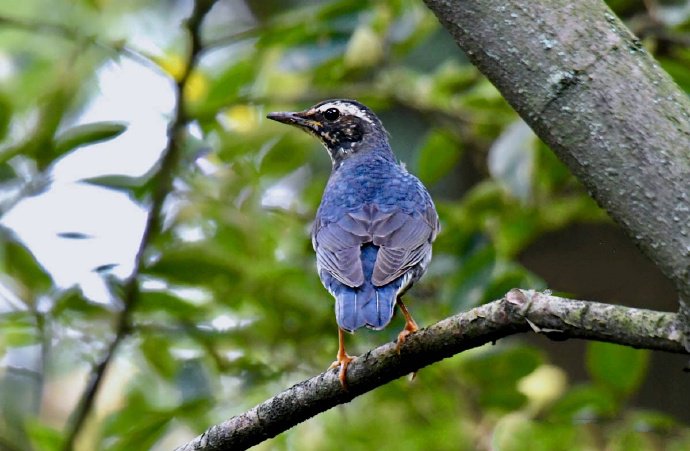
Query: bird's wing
(404,241)
(337,245)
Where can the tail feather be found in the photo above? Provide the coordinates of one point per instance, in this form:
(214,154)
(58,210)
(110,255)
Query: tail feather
(366,305)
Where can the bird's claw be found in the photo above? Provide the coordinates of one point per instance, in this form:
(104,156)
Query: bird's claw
(402,336)
(410,327)
(342,361)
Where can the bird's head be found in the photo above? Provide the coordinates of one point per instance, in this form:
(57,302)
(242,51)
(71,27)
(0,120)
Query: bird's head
(345,127)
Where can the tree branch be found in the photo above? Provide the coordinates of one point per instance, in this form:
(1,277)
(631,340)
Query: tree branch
(163,183)
(591,91)
(519,311)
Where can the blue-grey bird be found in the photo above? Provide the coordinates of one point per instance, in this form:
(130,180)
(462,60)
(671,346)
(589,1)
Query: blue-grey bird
(376,222)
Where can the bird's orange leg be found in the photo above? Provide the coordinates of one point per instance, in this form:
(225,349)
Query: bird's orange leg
(410,325)
(342,359)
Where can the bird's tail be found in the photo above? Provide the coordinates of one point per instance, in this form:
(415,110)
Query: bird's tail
(366,305)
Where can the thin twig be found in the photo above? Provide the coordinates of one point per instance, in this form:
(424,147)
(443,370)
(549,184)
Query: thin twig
(162,186)
(555,317)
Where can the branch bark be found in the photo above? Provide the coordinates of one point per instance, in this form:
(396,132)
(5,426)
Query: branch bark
(591,91)
(519,311)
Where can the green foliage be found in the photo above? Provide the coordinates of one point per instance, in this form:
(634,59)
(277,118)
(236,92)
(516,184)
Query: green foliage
(82,135)
(27,276)
(44,437)
(437,157)
(585,401)
(495,374)
(618,368)
(5,115)
(517,432)
(229,308)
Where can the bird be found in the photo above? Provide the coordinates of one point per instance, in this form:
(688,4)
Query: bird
(376,223)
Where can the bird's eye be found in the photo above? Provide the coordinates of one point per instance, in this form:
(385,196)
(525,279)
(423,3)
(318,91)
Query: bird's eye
(331,114)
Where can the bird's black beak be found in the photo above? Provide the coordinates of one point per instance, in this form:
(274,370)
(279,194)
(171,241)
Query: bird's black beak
(299,119)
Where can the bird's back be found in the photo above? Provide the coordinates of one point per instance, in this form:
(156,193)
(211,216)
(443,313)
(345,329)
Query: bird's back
(372,203)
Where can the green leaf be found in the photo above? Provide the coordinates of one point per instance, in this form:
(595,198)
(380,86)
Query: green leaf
(287,154)
(438,155)
(678,69)
(18,329)
(138,187)
(72,301)
(584,402)
(141,421)
(467,287)
(618,368)
(164,301)
(142,431)
(88,134)
(225,89)
(630,440)
(195,263)
(19,263)
(649,420)
(517,432)
(495,371)
(44,437)
(157,353)
(7,172)
(5,115)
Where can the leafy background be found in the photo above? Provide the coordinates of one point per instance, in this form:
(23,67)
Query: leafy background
(230,310)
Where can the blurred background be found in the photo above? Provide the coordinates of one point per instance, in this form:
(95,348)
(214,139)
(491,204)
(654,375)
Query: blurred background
(230,310)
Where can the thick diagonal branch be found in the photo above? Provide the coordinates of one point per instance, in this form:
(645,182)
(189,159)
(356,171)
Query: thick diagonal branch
(519,311)
(590,90)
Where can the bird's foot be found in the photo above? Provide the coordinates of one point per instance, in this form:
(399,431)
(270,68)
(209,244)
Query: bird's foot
(410,326)
(402,336)
(342,361)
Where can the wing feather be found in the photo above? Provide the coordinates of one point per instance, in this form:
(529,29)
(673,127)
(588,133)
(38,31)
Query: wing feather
(337,247)
(404,240)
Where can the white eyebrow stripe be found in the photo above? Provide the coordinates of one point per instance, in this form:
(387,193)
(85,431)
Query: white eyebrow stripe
(347,108)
